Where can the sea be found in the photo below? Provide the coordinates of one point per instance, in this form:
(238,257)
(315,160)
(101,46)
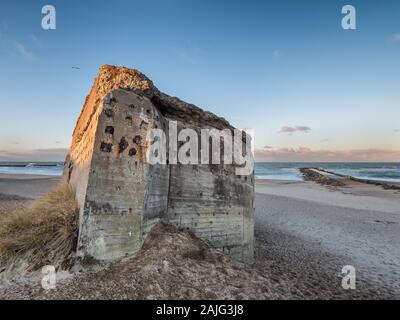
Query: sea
(42,168)
(383,171)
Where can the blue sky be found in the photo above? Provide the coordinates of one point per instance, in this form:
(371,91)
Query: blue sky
(309,89)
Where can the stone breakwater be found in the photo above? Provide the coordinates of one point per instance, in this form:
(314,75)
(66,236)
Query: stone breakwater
(326,177)
(321,177)
(121,196)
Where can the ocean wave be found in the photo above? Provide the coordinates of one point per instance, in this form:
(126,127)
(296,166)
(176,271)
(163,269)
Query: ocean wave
(51,169)
(289,171)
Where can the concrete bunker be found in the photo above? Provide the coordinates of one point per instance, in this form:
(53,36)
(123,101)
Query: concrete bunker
(121,196)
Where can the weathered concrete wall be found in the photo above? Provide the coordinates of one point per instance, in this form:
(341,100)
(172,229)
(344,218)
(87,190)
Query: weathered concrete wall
(125,196)
(121,196)
(216,205)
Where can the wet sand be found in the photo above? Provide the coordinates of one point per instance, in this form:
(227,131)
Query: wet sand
(18,190)
(26,185)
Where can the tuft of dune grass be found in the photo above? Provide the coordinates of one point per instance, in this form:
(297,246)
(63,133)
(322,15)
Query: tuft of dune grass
(44,233)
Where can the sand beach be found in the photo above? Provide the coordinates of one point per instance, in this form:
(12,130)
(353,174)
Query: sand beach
(305,233)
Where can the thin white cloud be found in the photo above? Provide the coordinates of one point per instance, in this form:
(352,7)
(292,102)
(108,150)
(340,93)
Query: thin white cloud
(277,53)
(34,39)
(395,37)
(291,130)
(24,52)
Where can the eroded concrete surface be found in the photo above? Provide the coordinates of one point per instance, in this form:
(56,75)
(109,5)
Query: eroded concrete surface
(121,196)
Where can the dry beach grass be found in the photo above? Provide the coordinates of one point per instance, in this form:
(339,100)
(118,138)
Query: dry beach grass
(41,233)
(9,203)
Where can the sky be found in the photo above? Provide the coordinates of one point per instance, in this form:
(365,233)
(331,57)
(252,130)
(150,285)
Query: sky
(311,90)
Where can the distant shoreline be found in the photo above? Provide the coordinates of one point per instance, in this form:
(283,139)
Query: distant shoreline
(32,163)
(386,174)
